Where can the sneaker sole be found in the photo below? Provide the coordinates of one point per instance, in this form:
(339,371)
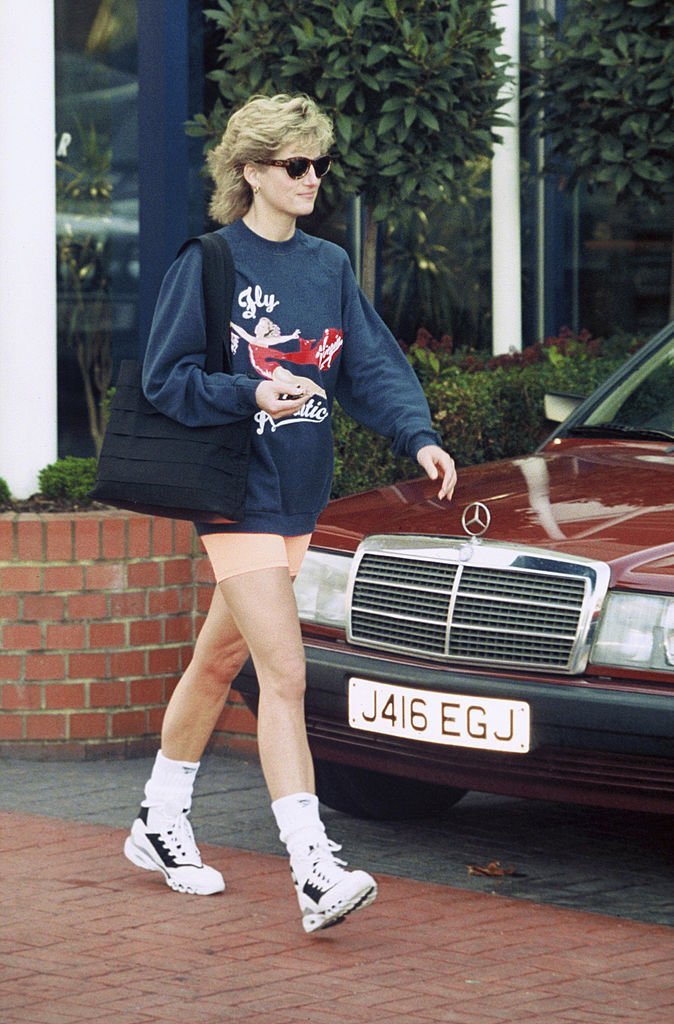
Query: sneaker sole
(319,922)
(142,859)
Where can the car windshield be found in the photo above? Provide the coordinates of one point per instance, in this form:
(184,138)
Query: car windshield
(641,404)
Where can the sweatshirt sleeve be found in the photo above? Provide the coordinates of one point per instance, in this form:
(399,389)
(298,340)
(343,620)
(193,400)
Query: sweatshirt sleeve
(376,385)
(174,379)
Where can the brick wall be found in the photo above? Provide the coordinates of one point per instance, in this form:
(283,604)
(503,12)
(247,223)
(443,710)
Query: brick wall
(98,616)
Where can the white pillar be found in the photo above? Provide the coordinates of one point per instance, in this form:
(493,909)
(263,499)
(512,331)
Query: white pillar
(28,427)
(506,255)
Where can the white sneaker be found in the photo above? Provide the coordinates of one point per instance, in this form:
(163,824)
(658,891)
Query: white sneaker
(326,892)
(157,843)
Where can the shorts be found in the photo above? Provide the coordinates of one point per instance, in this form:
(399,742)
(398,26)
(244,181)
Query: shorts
(232,554)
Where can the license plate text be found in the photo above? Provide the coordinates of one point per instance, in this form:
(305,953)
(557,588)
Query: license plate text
(484,723)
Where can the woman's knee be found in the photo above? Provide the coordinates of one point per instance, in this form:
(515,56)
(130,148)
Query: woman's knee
(219,664)
(285,680)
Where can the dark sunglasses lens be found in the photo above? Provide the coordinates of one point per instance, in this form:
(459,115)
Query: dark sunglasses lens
(298,167)
(322,166)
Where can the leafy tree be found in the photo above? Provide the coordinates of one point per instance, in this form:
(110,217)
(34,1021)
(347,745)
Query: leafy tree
(436,262)
(603,92)
(413,87)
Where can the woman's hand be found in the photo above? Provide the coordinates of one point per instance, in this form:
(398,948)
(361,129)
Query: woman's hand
(285,393)
(278,400)
(438,463)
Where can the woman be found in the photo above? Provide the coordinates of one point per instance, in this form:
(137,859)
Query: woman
(296,307)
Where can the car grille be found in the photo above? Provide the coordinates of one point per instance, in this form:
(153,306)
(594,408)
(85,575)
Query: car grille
(507,607)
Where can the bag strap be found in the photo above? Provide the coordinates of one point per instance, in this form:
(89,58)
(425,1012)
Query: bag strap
(218,285)
(218,289)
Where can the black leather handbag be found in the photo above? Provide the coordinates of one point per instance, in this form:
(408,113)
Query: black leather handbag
(151,463)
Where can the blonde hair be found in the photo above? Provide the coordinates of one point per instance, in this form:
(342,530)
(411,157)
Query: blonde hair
(256,132)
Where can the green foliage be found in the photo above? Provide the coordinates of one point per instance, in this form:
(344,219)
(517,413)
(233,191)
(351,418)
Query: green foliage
(483,409)
(362,458)
(70,478)
(84,195)
(5,493)
(603,94)
(436,262)
(88,184)
(412,85)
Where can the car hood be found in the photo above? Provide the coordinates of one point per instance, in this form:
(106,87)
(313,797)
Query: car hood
(605,500)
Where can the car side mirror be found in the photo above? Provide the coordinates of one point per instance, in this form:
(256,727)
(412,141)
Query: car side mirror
(558,405)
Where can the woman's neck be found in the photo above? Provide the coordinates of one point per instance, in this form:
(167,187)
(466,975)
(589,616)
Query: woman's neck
(278,228)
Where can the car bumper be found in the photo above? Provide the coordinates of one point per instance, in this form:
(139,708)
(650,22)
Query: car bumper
(591,742)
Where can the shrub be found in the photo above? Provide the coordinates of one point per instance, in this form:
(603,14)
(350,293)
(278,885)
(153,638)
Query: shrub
(70,478)
(362,459)
(5,493)
(483,407)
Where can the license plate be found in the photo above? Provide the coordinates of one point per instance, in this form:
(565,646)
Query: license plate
(485,723)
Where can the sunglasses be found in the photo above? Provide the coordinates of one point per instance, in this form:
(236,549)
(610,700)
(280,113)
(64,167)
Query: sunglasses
(298,166)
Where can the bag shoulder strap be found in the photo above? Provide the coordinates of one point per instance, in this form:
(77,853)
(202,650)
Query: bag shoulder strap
(218,290)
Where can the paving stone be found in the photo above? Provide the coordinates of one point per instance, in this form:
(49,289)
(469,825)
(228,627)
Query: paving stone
(580,938)
(608,862)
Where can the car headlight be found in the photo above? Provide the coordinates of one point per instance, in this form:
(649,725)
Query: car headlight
(636,631)
(320,588)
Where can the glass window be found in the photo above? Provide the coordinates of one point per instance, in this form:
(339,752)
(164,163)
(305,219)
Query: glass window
(97,207)
(644,400)
(622,266)
(436,267)
(589,262)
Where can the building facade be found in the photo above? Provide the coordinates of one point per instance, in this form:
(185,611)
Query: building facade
(112,83)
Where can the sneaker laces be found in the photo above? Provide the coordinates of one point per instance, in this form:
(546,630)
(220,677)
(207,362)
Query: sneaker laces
(319,865)
(325,849)
(179,840)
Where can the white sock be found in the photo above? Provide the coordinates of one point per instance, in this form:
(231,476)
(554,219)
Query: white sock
(298,820)
(169,788)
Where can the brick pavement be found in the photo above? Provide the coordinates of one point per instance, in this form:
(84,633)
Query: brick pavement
(84,936)
(575,858)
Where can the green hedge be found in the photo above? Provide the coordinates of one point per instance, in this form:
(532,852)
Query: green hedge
(483,408)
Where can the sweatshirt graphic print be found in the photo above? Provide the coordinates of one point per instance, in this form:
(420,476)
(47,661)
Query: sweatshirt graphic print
(297,310)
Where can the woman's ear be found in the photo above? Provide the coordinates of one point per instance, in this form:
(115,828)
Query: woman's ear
(251,175)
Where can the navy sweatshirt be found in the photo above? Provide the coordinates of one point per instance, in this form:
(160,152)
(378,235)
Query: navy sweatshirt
(296,305)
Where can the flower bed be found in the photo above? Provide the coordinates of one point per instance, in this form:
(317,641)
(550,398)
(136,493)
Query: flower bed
(99,612)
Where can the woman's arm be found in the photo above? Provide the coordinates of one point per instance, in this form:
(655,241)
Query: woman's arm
(174,377)
(379,389)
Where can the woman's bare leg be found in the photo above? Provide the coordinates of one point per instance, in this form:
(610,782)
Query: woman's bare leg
(255,611)
(263,606)
(198,699)
(161,838)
